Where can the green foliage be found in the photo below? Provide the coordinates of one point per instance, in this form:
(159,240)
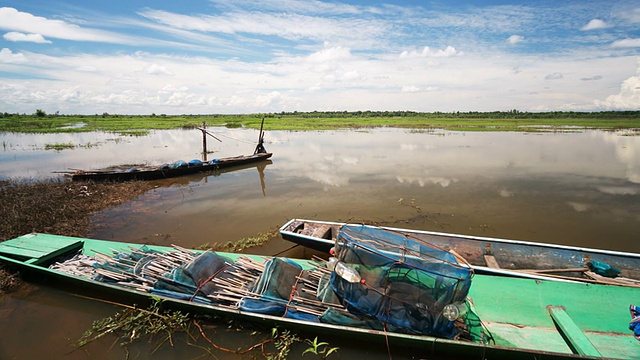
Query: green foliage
(512,120)
(282,340)
(321,349)
(241,244)
(133,324)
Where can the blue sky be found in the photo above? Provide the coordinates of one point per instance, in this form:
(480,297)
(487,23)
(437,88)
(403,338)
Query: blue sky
(249,56)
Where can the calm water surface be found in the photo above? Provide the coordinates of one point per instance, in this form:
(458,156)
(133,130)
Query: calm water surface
(579,188)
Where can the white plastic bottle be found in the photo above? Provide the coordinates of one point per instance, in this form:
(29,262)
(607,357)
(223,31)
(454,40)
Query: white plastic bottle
(347,273)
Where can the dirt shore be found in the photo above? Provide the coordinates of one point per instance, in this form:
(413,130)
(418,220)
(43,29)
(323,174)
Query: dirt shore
(59,207)
(56,207)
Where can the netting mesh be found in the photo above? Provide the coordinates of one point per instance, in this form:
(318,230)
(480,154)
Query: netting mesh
(405,283)
(378,279)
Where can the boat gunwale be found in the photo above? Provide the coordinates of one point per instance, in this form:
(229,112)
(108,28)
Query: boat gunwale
(471,237)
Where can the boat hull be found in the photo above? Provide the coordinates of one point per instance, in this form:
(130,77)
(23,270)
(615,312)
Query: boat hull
(512,257)
(156,174)
(514,310)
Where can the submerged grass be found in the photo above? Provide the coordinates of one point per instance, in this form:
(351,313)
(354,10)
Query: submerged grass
(159,326)
(59,146)
(243,244)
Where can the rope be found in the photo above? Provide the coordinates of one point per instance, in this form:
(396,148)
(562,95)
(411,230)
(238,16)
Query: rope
(232,138)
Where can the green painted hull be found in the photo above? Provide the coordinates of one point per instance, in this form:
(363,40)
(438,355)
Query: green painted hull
(590,320)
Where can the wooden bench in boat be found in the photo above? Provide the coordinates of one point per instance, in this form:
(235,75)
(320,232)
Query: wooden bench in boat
(32,251)
(576,339)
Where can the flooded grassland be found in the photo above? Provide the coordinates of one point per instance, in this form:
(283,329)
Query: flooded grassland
(574,188)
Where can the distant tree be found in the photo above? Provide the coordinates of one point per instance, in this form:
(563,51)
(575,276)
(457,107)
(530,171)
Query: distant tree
(40,113)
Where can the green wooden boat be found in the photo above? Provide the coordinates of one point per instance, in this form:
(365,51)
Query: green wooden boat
(507,318)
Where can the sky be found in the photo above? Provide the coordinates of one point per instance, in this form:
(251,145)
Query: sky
(256,56)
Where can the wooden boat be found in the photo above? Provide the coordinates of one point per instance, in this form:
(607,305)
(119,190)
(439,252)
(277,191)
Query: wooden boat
(178,168)
(515,318)
(496,256)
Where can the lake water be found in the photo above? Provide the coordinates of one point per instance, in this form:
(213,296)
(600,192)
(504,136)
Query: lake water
(574,188)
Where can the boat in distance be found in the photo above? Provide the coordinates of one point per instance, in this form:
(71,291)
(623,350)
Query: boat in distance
(496,256)
(178,168)
(502,317)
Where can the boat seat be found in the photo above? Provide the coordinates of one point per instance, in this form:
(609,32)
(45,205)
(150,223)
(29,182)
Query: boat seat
(323,231)
(32,251)
(576,339)
(491,262)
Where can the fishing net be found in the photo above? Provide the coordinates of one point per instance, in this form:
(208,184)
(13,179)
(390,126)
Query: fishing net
(378,280)
(193,280)
(400,281)
(278,291)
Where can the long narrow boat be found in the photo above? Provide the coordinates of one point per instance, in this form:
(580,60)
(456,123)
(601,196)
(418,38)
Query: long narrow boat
(178,168)
(497,256)
(175,169)
(502,317)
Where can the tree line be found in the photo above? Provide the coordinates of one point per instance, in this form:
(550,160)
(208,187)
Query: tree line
(510,114)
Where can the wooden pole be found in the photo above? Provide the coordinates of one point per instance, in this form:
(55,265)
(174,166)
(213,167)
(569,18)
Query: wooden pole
(204,141)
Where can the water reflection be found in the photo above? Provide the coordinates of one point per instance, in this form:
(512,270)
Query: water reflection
(25,155)
(571,188)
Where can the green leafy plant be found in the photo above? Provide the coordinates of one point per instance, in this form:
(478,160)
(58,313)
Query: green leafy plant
(132,324)
(321,349)
(283,341)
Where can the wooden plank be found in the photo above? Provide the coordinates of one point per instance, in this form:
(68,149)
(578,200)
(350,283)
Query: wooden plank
(322,232)
(572,333)
(603,280)
(551,271)
(32,248)
(491,262)
(26,246)
(616,280)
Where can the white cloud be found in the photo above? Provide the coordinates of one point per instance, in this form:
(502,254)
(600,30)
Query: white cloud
(265,100)
(287,25)
(155,69)
(18,36)
(312,6)
(22,22)
(429,52)
(410,89)
(514,39)
(351,61)
(595,24)
(626,43)
(8,57)
(629,96)
(87,68)
(330,54)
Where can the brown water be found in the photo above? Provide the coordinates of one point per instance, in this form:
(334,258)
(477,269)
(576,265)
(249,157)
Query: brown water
(578,188)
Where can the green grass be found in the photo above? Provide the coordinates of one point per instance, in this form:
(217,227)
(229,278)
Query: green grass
(496,121)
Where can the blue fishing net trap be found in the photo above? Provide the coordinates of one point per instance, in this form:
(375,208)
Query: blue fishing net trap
(405,283)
